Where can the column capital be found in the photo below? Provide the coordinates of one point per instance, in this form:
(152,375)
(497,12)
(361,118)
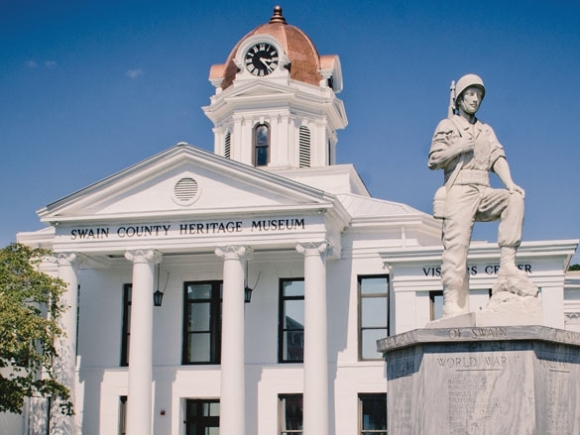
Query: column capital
(234,252)
(143,256)
(313,248)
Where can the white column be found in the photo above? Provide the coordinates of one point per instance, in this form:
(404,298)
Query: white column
(139,398)
(218,147)
(232,397)
(65,367)
(315,339)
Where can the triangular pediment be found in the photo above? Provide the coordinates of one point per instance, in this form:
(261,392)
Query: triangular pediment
(184,181)
(258,89)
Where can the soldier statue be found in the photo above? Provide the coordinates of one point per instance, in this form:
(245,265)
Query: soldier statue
(467,150)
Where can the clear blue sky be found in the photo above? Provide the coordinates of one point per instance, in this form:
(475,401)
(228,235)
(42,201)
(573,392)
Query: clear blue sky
(88,88)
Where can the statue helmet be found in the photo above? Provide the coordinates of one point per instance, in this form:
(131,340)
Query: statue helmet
(469,80)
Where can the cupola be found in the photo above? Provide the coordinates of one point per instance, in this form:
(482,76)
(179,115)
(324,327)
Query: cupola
(301,57)
(275,104)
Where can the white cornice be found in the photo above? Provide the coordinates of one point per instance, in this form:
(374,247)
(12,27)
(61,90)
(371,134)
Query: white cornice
(269,94)
(419,223)
(141,217)
(42,238)
(563,249)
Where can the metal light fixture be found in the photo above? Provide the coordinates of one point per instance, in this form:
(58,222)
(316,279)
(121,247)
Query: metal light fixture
(158,294)
(158,298)
(248,294)
(247,289)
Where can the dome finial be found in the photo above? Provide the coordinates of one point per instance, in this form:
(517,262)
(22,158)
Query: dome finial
(277,17)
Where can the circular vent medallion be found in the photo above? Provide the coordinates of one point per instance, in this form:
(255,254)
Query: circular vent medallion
(186,191)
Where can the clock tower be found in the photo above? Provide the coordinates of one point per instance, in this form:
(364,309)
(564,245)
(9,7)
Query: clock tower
(275,105)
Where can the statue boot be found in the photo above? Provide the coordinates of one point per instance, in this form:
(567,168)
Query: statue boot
(452,305)
(507,265)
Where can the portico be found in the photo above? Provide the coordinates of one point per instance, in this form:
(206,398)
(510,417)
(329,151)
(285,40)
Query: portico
(140,388)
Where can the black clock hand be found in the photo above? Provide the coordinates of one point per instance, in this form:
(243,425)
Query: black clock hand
(267,63)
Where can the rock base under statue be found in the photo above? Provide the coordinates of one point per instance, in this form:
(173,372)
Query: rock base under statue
(483,380)
(513,302)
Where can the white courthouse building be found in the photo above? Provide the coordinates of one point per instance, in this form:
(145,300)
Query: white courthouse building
(332,270)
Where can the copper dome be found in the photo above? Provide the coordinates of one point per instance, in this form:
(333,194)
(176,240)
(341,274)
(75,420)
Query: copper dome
(304,59)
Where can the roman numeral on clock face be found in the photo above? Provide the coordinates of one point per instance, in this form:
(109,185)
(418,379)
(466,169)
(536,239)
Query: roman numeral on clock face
(261,59)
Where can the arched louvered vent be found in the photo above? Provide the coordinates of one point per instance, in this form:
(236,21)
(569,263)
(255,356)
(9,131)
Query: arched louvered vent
(304,147)
(227,146)
(185,191)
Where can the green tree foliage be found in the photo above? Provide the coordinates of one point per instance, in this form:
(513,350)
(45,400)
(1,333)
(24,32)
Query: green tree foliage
(29,310)
(574,267)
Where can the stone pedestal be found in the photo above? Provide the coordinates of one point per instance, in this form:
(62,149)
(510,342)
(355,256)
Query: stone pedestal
(483,380)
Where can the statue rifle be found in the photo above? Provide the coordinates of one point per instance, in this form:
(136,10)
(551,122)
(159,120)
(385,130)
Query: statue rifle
(451,111)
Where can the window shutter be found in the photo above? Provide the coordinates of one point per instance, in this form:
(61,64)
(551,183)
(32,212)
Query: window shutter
(304,147)
(228,143)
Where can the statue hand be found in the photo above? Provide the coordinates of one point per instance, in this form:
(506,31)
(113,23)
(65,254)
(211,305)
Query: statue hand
(512,187)
(465,145)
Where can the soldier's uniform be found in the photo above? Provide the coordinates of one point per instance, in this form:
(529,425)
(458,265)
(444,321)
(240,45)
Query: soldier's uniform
(470,199)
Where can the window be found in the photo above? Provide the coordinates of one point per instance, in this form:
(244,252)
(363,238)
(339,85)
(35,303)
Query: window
(330,153)
(122,415)
(373,314)
(436,304)
(373,414)
(202,417)
(290,412)
(261,144)
(202,322)
(291,321)
(126,334)
(436,301)
(330,82)
(304,147)
(227,145)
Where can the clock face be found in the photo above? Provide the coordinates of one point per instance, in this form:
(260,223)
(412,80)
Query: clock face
(261,59)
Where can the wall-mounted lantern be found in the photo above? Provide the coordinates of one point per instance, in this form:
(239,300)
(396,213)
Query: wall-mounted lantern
(158,294)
